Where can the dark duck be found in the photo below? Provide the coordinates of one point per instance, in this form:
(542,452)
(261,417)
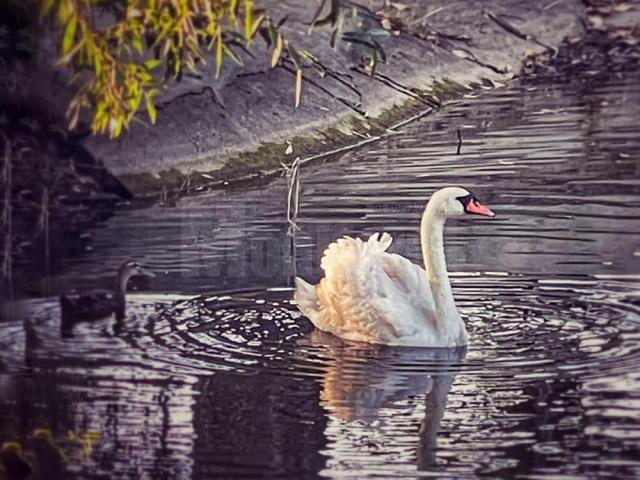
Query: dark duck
(99,304)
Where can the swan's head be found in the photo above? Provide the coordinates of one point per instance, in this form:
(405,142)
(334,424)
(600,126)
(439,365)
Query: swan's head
(456,201)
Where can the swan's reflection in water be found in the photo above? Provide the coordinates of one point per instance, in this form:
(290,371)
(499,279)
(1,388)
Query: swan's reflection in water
(384,403)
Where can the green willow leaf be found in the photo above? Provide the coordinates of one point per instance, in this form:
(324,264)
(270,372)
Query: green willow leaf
(137,45)
(151,109)
(219,54)
(69,34)
(152,64)
(231,54)
(45,7)
(248,19)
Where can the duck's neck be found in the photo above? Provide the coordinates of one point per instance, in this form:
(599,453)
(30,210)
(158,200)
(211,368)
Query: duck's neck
(120,288)
(432,239)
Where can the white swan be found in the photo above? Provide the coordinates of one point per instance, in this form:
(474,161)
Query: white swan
(373,296)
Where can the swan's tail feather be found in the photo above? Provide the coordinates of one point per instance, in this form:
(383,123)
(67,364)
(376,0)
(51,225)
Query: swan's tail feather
(379,242)
(345,252)
(305,297)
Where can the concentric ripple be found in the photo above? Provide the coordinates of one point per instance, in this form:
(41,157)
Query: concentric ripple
(551,370)
(539,347)
(527,328)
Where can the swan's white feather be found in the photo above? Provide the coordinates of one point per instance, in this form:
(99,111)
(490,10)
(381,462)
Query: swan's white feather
(370,295)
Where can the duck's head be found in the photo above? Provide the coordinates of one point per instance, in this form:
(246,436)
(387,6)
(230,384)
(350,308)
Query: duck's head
(132,268)
(457,201)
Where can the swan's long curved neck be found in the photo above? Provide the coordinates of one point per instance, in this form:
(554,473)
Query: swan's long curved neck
(432,240)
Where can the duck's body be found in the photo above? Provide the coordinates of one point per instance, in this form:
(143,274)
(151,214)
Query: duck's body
(97,304)
(92,305)
(373,296)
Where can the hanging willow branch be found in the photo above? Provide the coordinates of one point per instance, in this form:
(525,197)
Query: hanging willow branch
(121,62)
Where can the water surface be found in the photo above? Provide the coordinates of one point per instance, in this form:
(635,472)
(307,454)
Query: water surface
(216,375)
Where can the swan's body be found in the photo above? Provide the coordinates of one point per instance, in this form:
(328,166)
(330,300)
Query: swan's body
(373,296)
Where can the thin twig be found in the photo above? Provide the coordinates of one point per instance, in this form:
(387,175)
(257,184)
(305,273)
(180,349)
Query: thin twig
(391,83)
(552,4)
(292,253)
(470,56)
(292,174)
(459,143)
(433,12)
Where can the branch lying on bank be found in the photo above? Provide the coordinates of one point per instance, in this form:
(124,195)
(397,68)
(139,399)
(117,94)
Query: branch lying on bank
(391,83)
(206,89)
(470,56)
(284,65)
(501,22)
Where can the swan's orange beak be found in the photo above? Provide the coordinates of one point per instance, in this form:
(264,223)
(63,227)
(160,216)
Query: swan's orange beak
(474,206)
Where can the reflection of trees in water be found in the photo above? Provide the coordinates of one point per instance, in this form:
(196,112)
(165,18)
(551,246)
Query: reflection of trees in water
(267,424)
(142,433)
(143,418)
(547,421)
(559,433)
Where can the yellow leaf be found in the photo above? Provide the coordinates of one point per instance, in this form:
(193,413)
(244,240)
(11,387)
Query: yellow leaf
(298,86)
(151,109)
(133,12)
(63,11)
(115,126)
(46,7)
(256,24)
(248,19)
(73,118)
(67,58)
(460,54)
(219,53)
(151,64)
(92,436)
(137,45)
(277,51)
(399,6)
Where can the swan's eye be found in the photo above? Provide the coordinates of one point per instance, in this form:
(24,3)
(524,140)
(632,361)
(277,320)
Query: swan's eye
(465,200)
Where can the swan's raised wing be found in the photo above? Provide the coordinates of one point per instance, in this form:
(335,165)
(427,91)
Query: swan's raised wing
(367,294)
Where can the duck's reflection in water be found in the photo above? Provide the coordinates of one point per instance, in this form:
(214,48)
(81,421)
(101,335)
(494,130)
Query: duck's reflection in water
(384,404)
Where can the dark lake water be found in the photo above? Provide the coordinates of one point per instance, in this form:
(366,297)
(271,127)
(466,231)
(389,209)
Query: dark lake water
(216,375)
